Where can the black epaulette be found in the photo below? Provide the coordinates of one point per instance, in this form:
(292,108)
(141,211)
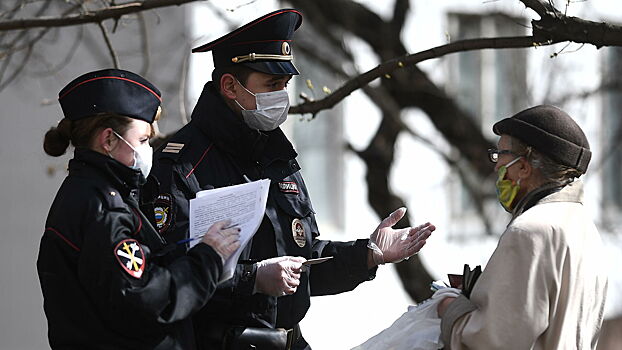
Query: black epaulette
(111,197)
(172,150)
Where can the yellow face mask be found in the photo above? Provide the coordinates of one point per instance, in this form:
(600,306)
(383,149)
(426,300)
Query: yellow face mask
(506,189)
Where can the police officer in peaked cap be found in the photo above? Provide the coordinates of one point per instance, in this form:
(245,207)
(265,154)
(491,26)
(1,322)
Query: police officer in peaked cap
(104,284)
(234,137)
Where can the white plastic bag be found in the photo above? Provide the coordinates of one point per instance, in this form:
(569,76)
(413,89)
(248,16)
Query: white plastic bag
(419,328)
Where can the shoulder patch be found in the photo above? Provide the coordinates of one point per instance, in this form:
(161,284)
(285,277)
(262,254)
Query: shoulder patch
(163,211)
(131,257)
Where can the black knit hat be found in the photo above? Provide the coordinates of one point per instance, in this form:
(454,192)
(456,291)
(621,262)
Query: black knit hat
(263,45)
(110,91)
(550,131)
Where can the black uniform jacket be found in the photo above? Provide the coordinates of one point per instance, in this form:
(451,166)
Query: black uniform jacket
(217,149)
(104,287)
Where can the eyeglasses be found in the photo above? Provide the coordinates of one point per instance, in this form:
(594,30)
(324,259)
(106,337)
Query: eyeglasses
(493,154)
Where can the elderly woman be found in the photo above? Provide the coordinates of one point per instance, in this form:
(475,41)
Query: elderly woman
(545,285)
(106,280)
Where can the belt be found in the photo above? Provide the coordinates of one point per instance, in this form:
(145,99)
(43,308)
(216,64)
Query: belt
(292,336)
(233,337)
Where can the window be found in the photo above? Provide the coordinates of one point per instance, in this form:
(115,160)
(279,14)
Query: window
(611,158)
(488,84)
(320,147)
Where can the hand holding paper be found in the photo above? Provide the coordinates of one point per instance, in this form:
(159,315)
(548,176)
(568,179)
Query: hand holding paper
(243,204)
(225,240)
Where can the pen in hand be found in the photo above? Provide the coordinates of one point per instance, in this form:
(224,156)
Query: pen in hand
(186,240)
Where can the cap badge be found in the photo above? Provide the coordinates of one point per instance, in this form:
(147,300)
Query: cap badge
(285,49)
(131,257)
(298,231)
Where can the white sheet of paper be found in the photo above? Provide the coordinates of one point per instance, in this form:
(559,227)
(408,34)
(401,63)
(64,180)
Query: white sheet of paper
(243,204)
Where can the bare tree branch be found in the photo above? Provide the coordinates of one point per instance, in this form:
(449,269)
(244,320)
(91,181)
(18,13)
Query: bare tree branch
(65,60)
(113,54)
(183,113)
(20,68)
(384,69)
(400,12)
(542,8)
(144,44)
(578,30)
(89,16)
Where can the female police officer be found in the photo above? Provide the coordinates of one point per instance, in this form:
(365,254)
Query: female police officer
(104,283)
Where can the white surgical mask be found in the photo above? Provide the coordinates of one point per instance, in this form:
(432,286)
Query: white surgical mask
(271,111)
(143,156)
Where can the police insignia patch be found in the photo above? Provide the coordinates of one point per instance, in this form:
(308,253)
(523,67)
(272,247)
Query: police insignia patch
(131,257)
(162,208)
(288,187)
(298,231)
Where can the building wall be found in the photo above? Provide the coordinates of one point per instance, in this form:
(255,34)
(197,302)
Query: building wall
(29,178)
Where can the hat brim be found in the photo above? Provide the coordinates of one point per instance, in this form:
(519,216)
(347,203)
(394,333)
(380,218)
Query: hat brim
(273,67)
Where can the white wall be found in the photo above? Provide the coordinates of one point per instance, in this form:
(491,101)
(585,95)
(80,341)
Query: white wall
(336,322)
(29,178)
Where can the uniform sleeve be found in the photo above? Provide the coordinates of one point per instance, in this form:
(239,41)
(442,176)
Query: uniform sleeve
(511,297)
(344,272)
(172,217)
(128,285)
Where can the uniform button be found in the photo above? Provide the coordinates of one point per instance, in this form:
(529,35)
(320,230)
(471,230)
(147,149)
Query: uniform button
(113,193)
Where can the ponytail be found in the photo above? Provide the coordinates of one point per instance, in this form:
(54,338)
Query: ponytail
(57,139)
(81,133)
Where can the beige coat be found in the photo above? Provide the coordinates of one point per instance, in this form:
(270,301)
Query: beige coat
(544,287)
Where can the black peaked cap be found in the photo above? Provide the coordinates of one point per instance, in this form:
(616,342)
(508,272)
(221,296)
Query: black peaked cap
(550,131)
(110,91)
(263,45)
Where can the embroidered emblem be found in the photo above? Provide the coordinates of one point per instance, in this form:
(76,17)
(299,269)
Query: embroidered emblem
(298,231)
(162,208)
(285,49)
(131,257)
(288,187)
(173,147)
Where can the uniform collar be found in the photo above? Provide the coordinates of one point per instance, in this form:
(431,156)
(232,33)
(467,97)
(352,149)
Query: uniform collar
(92,164)
(549,193)
(227,130)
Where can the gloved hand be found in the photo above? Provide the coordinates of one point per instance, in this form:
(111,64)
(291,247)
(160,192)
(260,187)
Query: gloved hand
(222,238)
(391,245)
(278,276)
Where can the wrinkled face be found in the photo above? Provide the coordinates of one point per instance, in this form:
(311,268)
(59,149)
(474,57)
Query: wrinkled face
(137,134)
(505,144)
(519,170)
(259,82)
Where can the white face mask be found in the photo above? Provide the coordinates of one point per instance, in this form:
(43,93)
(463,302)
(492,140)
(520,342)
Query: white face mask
(271,111)
(143,156)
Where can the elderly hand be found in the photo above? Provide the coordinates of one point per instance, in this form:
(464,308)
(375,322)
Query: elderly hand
(391,245)
(279,276)
(443,305)
(222,238)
